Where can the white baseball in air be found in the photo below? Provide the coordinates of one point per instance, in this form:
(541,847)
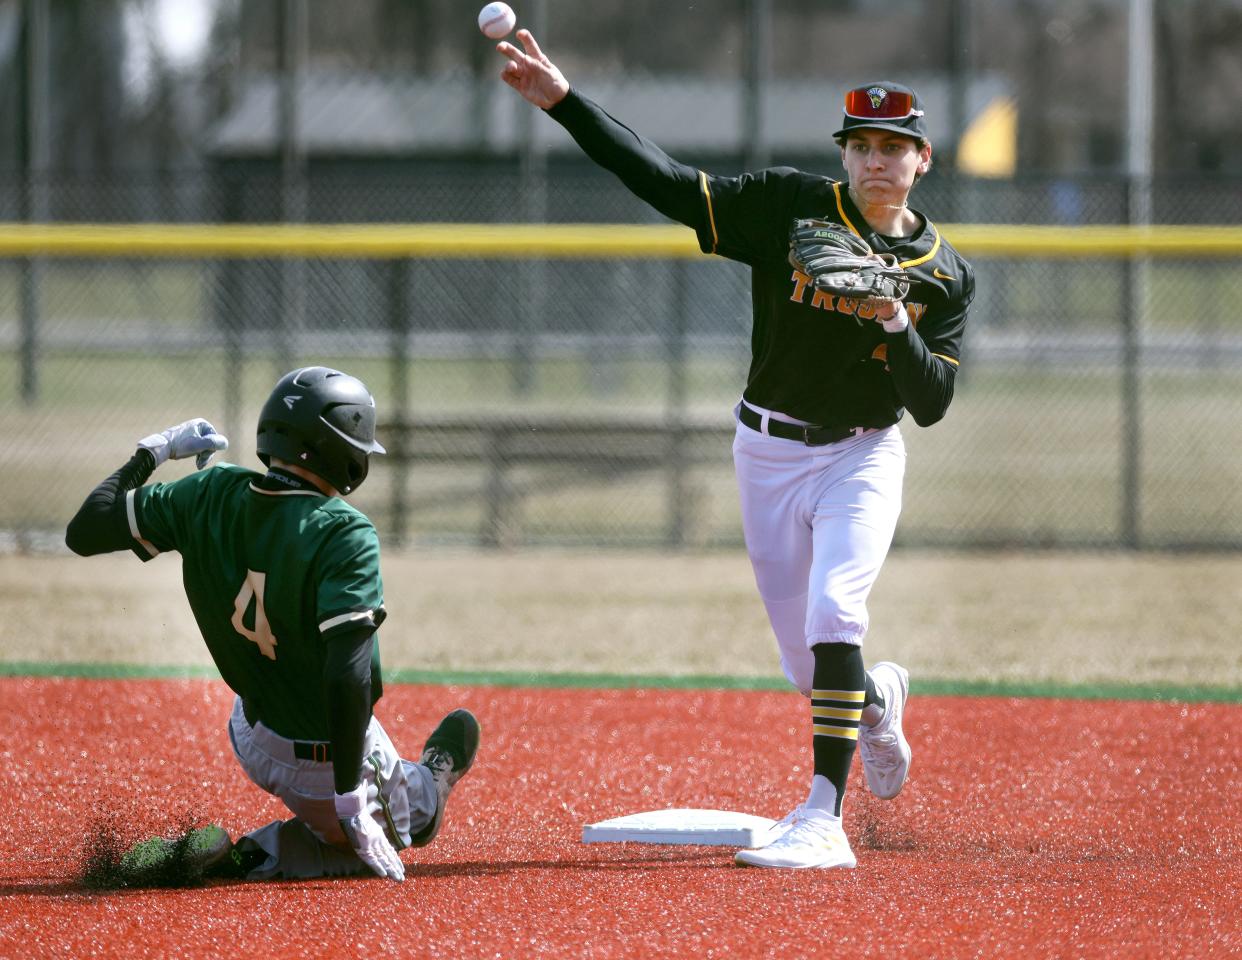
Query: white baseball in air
(496,20)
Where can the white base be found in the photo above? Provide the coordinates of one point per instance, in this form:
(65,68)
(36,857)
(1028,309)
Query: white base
(722,828)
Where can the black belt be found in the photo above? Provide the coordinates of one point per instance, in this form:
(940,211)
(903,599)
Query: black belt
(812,436)
(318,750)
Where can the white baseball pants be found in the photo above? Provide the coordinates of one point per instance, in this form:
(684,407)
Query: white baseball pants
(818,523)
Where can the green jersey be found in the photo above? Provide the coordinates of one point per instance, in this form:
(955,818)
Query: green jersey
(272,569)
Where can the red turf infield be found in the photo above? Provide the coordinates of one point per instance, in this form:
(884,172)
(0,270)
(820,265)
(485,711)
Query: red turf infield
(1038,828)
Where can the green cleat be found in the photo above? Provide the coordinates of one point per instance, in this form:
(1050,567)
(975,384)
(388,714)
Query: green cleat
(171,863)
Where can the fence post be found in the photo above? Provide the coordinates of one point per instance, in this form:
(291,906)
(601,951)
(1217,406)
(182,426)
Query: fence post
(234,329)
(33,150)
(1140,107)
(399,352)
(675,414)
(498,499)
(229,310)
(31,281)
(531,307)
(290,315)
(1133,302)
(756,79)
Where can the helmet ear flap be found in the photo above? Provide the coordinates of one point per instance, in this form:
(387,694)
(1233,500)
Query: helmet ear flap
(357,470)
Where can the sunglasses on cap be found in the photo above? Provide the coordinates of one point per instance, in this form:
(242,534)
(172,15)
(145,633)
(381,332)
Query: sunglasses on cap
(877,103)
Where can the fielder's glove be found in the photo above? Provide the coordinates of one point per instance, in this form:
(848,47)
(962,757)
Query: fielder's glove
(195,438)
(365,836)
(841,262)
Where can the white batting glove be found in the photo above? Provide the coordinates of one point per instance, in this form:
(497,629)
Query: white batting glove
(365,835)
(195,438)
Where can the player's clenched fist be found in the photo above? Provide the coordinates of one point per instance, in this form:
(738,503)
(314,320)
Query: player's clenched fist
(195,438)
(532,74)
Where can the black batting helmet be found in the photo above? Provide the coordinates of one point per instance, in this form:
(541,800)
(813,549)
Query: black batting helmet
(323,420)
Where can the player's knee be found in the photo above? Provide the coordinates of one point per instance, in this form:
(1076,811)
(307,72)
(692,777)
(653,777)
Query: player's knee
(800,674)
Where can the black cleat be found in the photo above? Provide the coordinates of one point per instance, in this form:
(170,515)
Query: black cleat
(448,754)
(238,864)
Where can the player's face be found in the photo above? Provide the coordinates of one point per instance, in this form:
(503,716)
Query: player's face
(881,166)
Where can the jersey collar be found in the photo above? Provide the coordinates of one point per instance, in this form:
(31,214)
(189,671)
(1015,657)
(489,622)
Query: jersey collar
(852,218)
(280,483)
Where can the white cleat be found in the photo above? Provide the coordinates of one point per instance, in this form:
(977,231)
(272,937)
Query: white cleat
(815,841)
(779,828)
(885,752)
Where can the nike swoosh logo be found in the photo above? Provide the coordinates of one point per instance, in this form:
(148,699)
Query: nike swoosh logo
(940,276)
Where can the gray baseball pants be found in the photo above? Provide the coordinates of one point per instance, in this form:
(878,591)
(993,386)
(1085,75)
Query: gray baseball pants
(401,795)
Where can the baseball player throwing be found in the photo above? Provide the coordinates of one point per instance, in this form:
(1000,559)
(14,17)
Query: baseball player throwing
(284,580)
(818,454)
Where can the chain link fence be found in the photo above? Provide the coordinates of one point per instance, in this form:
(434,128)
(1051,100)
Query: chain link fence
(589,401)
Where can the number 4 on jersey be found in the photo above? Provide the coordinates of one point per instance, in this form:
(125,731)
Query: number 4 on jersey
(262,632)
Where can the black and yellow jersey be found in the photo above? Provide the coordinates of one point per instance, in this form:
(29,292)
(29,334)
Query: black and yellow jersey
(811,357)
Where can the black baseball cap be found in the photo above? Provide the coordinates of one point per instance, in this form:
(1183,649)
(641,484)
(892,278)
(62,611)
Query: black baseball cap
(884,105)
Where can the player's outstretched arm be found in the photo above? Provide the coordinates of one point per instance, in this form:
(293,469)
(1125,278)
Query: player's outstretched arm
(669,186)
(532,74)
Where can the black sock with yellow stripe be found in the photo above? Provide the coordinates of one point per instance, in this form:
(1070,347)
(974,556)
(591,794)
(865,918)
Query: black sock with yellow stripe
(874,706)
(837,696)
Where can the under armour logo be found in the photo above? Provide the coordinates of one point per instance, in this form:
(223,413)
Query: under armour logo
(291,400)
